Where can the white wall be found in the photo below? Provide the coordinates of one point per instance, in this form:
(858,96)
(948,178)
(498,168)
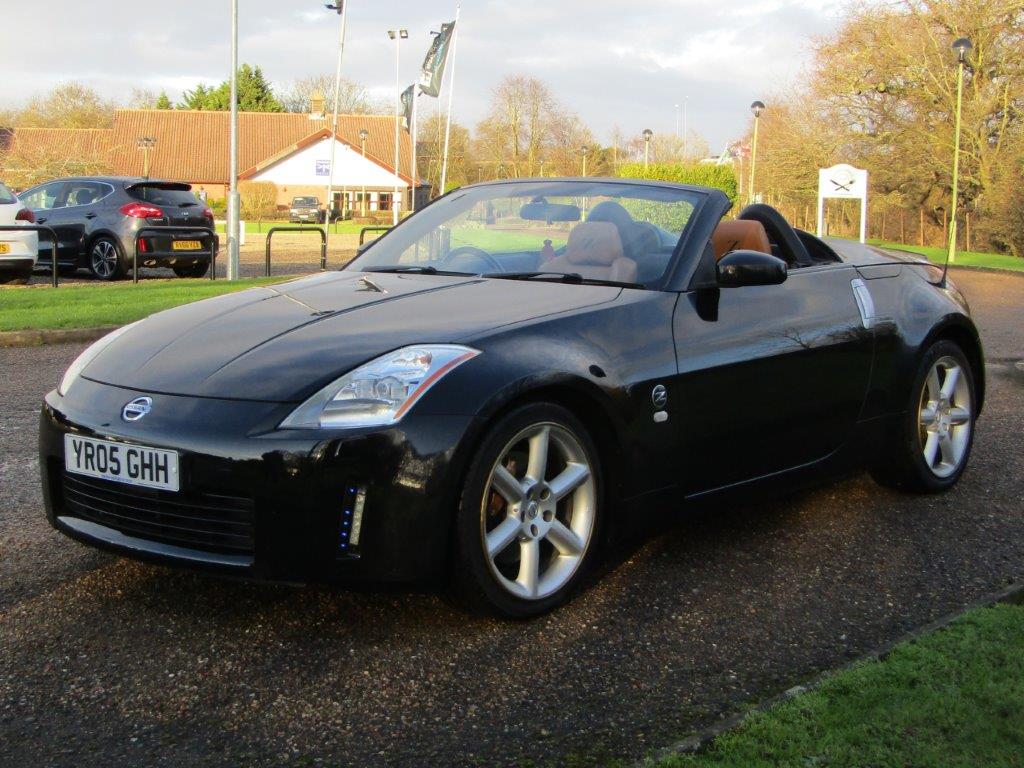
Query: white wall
(351,169)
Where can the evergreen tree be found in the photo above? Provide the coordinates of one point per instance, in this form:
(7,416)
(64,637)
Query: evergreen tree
(255,94)
(162,102)
(197,98)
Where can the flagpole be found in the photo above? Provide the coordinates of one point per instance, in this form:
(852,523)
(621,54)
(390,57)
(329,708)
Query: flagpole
(396,35)
(415,172)
(334,127)
(451,91)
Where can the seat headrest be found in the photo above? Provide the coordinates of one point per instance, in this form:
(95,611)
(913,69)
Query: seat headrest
(84,197)
(740,235)
(594,242)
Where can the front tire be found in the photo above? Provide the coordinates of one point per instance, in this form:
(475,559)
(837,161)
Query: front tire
(529,515)
(933,439)
(106,262)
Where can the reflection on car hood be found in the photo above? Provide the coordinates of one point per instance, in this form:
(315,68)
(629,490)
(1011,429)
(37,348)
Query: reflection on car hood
(284,342)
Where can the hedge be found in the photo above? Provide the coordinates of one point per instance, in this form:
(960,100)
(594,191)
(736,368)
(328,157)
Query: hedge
(715,176)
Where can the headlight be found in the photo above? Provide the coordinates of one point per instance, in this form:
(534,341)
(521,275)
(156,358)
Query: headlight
(382,391)
(88,356)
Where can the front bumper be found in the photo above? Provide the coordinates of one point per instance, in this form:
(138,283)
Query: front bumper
(284,494)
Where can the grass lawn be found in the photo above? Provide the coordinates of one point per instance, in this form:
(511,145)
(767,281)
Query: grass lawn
(963,258)
(952,698)
(89,305)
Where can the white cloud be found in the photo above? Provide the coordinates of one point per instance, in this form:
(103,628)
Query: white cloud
(614,63)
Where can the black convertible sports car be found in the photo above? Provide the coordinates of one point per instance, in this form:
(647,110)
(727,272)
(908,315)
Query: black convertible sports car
(489,392)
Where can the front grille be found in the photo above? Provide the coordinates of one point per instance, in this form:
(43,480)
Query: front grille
(207,522)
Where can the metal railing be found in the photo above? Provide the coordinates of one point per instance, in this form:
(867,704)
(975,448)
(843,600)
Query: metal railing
(45,230)
(323,242)
(176,233)
(364,230)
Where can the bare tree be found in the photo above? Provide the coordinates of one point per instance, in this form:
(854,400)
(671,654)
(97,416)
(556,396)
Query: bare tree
(353,98)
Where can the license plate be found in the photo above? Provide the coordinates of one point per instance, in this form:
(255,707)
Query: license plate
(5,248)
(122,463)
(187,245)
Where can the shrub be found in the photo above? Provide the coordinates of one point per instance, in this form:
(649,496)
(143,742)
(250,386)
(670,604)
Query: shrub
(257,199)
(716,176)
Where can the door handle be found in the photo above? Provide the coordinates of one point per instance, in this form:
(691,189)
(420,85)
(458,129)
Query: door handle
(90,215)
(40,220)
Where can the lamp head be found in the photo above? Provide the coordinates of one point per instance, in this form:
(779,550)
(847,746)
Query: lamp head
(962,47)
(757,108)
(337,7)
(647,134)
(364,134)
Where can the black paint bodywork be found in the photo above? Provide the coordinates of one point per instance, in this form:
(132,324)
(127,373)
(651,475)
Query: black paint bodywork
(778,383)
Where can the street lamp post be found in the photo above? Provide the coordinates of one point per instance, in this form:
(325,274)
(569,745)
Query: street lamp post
(677,121)
(686,130)
(145,143)
(757,108)
(398,35)
(962,48)
(341,8)
(233,201)
(647,134)
(363,136)
(584,150)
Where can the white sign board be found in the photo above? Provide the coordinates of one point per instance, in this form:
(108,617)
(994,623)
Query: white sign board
(844,182)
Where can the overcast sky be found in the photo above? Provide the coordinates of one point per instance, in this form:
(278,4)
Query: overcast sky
(614,63)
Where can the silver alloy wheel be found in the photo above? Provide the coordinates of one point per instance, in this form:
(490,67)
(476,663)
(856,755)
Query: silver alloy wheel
(945,417)
(103,258)
(537,515)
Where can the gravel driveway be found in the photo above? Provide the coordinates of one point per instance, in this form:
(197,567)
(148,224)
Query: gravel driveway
(106,662)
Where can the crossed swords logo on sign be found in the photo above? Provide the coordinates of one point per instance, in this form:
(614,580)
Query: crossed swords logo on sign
(843,181)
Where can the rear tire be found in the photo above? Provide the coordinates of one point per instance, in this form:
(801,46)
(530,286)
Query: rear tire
(530,514)
(932,442)
(199,269)
(106,261)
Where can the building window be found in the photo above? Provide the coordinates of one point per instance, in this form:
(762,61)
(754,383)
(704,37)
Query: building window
(384,201)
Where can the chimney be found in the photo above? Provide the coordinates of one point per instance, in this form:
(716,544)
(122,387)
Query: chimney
(316,107)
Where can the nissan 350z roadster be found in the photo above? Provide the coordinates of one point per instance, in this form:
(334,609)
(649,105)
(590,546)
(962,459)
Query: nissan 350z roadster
(490,393)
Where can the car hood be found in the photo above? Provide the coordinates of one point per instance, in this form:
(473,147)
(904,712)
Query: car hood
(284,342)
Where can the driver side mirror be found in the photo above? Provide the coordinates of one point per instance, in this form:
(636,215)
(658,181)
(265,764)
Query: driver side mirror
(742,268)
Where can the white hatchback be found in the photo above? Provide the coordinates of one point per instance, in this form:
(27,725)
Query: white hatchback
(19,251)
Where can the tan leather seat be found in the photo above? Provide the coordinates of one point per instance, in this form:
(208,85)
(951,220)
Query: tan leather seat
(594,250)
(740,235)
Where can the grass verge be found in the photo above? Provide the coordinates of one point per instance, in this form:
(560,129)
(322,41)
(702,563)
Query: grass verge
(963,258)
(89,305)
(952,698)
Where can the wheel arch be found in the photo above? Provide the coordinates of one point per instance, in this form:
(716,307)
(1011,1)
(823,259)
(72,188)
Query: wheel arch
(102,233)
(580,397)
(963,333)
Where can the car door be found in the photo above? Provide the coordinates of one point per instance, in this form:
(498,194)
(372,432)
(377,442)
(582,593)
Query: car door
(75,219)
(772,377)
(46,202)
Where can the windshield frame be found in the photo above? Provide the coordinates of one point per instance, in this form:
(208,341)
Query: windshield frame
(419,219)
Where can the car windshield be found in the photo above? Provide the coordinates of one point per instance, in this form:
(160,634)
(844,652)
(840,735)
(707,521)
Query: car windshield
(304,201)
(572,230)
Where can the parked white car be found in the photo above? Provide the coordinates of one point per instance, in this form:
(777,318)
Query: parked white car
(19,251)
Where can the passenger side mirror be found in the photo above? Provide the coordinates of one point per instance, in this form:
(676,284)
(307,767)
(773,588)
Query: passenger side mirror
(742,268)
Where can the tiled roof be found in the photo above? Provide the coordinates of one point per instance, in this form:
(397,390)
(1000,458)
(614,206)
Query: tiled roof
(193,145)
(78,143)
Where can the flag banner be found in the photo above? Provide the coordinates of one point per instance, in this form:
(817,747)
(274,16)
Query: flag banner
(433,64)
(407,103)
